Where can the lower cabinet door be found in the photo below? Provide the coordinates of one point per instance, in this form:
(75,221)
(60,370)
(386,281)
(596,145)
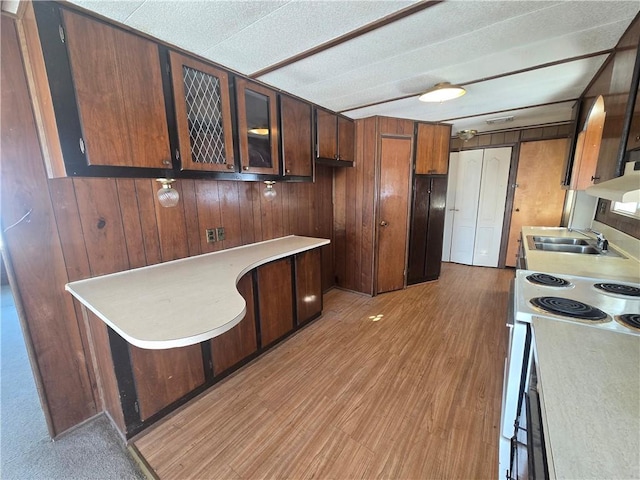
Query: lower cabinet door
(308,285)
(275,300)
(233,346)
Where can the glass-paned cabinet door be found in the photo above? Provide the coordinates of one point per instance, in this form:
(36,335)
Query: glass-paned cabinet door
(203,115)
(257,128)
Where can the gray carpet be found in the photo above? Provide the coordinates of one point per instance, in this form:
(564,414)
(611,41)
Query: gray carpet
(92,451)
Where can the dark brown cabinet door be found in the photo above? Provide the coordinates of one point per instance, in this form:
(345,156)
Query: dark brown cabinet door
(275,299)
(203,115)
(235,345)
(427,228)
(346,139)
(257,128)
(327,135)
(164,376)
(297,153)
(118,86)
(308,285)
(432,149)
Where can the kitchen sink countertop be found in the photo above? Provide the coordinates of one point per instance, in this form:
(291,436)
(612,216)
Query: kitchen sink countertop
(182,302)
(624,268)
(590,400)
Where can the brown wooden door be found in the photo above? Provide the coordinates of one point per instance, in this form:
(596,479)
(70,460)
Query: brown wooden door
(257,128)
(346,139)
(275,299)
(327,134)
(308,285)
(584,172)
(203,115)
(297,149)
(118,85)
(539,197)
(432,149)
(238,343)
(393,198)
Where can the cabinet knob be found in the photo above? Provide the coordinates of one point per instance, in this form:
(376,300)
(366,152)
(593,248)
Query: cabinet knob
(383,223)
(245,168)
(166,162)
(287,171)
(517,209)
(230,166)
(595,178)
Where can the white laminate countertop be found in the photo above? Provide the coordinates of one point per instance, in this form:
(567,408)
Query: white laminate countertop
(589,383)
(182,302)
(613,268)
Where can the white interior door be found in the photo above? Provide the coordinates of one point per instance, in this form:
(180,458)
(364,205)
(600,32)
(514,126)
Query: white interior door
(450,205)
(466,206)
(491,203)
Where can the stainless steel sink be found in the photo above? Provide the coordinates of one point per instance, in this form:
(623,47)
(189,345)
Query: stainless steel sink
(561,240)
(557,247)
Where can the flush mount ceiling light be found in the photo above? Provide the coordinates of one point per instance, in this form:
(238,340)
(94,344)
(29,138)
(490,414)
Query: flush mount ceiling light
(467,134)
(442,92)
(167,196)
(493,121)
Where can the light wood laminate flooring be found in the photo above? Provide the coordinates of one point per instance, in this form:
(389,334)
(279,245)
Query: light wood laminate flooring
(405,385)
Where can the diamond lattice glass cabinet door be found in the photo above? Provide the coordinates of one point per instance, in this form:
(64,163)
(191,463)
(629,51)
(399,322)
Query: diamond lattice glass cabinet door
(257,128)
(203,115)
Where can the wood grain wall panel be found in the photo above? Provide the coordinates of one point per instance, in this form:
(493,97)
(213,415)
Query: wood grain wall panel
(146,191)
(339,227)
(208,202)
(272,217)
(108,385)
(164,376)
(101,225)
(230,213)
(191,216)
(35,253)
(130,213)
(245,204)
(172,229)
(369,212)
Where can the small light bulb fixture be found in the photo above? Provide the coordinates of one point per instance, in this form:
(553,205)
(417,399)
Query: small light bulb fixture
(442,92)
(467,134)
(269,193)
(167,195)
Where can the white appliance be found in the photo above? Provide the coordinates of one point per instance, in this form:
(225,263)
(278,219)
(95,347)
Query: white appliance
(592,302)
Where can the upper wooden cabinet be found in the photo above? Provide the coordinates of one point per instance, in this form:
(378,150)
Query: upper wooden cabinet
(119,95)
(432,148)
(297,147)
(257,128)
(587,149)
(335,136)
(203,115)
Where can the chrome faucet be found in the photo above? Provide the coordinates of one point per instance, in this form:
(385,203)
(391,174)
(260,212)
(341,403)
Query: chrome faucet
(602,242)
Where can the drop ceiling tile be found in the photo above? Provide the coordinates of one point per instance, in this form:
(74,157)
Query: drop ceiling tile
(296,27)
(115,10)
(197,26)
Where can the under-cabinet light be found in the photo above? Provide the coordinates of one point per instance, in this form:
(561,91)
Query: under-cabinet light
(167,195)
(269,193)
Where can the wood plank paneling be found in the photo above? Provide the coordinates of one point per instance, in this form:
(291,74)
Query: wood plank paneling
(146,191)
(191,216)
(35,253)
(238,343)
(129,211)
(208,202)
(275,299)
(172,228)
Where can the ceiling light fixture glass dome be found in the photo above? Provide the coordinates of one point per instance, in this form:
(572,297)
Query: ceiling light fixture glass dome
(167,195)
(442,92)
(269,193)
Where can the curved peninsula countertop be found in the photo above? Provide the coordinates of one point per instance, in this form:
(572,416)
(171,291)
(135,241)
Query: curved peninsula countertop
(181,302)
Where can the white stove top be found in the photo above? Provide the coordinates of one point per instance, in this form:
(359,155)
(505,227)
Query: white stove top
(579,289)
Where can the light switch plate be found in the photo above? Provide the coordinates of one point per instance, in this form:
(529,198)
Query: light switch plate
(220,233)
(211,235)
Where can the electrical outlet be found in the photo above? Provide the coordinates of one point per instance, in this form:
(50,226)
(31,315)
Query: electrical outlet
(211,235)
(220,233)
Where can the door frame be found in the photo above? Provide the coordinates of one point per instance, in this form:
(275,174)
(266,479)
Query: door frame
(376,213)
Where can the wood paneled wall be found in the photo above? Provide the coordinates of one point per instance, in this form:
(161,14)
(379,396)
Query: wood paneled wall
(84,227)
(355,205)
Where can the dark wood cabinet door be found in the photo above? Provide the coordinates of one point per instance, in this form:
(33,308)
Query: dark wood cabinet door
(235,345)
(275,299)
(297,153)
(346,139)
(432,149)
(327,134)
(203,115)
(164,376)
(118,86)
(257,128)
(308,285)
(435,229)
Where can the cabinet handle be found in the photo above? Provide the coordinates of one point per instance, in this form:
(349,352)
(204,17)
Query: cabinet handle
(245,168)
(383,223)
(229,166)
(454,209)
(595,178)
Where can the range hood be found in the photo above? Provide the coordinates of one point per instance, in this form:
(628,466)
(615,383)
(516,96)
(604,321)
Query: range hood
(621,189)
